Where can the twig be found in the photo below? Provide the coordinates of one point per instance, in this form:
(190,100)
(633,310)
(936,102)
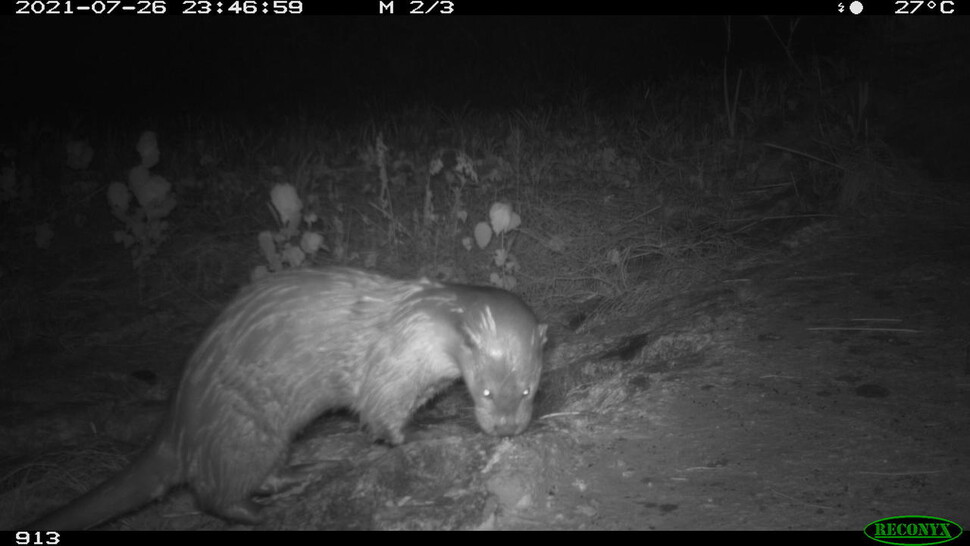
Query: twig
(803,154)
(913,473)
(838,329)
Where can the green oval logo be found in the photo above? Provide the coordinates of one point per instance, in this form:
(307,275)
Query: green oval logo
(909,530)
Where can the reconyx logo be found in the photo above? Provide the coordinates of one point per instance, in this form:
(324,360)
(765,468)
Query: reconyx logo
(911,530)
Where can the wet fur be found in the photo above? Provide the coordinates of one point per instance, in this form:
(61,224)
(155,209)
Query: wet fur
(297,344)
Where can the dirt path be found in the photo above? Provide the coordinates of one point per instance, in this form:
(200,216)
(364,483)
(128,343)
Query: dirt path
(774,425)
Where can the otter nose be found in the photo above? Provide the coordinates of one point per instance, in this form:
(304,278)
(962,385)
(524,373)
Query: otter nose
(507,426)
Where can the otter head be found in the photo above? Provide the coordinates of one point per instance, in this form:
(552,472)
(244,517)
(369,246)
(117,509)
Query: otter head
(501,361)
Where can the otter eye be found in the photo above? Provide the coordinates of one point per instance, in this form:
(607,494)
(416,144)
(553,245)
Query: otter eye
(487,393)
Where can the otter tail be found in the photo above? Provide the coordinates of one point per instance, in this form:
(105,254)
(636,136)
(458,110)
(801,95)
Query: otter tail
(149,477)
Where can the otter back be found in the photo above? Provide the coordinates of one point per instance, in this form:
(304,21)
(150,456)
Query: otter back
(296,344)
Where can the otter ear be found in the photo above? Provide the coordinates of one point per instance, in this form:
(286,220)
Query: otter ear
(542,334)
